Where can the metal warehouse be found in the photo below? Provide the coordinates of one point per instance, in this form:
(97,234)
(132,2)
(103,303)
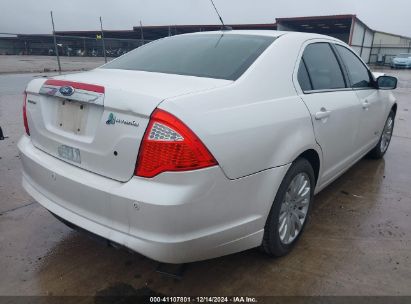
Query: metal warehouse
(373,46)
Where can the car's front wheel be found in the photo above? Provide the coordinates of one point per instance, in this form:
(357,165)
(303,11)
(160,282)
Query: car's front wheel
(290,210)
(385,139)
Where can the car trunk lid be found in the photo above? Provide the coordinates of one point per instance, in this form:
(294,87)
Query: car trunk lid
(96,120)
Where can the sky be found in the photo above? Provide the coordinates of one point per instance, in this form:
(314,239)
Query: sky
(33,16)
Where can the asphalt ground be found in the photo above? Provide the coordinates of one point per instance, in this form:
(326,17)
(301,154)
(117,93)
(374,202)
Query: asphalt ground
(37,64)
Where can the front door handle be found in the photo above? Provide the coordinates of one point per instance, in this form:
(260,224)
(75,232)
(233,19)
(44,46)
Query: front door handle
(365,105)
(322,114)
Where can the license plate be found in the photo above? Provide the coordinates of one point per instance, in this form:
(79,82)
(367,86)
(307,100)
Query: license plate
(69,153)
(72,117)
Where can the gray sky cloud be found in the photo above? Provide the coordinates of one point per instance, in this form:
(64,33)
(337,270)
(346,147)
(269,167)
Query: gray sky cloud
(32,16)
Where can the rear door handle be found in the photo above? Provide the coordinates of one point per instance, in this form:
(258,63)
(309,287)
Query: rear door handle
(322,114)
(365,105)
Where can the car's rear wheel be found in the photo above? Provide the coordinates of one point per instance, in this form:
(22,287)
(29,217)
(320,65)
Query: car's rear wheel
(385,139)
(290,210)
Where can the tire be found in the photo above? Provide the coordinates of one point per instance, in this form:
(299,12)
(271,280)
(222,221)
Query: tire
(382,146)
(275,243)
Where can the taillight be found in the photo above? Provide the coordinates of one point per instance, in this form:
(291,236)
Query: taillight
(26,124)
(169,145)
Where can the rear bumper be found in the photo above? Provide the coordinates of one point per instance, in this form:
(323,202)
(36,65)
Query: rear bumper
(173,218)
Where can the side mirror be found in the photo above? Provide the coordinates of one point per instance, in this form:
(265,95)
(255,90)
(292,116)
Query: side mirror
(387,83)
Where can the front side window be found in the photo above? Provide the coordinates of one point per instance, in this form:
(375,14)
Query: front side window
(357,72)
(221,56)
(323,68)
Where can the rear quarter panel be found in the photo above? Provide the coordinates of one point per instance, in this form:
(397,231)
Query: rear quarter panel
(256,123)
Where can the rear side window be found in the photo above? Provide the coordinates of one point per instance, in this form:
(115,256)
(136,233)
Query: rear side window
(222,56)
(357,72)
(323,68)
(304,78)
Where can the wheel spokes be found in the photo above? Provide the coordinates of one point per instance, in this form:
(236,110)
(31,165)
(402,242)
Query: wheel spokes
(299,213)
(387,134)
(294,208)
(287,229)
(296,220)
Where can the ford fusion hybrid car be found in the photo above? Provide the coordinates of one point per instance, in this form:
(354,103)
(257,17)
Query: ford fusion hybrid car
(205,144)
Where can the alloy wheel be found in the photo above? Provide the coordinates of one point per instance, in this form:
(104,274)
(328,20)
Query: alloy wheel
(387,134)
(294,208)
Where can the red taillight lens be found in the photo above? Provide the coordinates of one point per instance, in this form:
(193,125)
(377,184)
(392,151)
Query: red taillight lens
(26,124)
(169,145)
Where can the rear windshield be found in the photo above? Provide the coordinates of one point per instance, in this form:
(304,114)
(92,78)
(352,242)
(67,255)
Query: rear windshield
(404,55)
(208,55)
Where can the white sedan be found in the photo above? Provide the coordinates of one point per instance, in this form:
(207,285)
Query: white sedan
(206,144)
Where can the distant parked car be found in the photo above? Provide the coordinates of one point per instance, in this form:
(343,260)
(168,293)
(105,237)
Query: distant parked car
(201,145)
(401,61)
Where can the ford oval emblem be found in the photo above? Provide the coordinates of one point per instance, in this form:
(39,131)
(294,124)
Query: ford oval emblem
(66,91)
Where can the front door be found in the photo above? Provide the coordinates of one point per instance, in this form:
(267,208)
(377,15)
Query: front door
(372,109)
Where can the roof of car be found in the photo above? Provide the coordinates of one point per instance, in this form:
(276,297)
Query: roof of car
(270,33)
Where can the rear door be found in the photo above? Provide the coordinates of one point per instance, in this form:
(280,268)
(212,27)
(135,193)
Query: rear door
(372,107)
(333,106)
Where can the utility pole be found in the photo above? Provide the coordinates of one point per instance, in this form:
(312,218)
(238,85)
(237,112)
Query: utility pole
(55,42)
(142,34)
(102,37)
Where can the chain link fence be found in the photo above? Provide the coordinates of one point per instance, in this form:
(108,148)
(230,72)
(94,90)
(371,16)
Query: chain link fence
(16,44)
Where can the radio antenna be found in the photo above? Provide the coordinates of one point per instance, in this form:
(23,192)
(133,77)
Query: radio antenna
(224,27)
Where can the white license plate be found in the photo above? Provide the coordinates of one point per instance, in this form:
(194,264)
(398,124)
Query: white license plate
(72,117)
(69,153)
